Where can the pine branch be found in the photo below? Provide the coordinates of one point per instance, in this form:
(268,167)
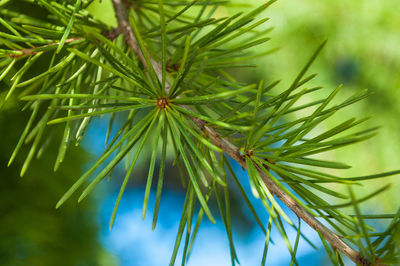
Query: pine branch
(234,152)
(177,78)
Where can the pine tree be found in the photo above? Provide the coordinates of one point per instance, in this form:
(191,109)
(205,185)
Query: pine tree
(167,64)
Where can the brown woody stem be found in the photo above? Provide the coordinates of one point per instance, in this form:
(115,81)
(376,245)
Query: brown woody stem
(34,50)
(112,34)
(233,151)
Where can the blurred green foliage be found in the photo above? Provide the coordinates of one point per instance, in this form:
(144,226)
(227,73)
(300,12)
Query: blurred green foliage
(363,51)
(32,231)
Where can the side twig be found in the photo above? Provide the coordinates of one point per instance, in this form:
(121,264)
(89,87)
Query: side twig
(233,151)
(16,54)
(34,50)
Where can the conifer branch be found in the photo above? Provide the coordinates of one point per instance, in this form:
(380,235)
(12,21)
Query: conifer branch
(233,151)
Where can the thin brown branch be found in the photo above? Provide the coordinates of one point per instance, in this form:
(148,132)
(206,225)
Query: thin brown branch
(35,50)
(125,28)
(112,34)
(233,151)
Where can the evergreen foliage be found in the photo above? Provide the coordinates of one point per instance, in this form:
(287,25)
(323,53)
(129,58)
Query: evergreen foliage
(167,65)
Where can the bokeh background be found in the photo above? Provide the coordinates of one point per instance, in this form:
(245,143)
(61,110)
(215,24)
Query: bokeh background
(363,51)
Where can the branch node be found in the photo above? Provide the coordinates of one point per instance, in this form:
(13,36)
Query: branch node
(162,103)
